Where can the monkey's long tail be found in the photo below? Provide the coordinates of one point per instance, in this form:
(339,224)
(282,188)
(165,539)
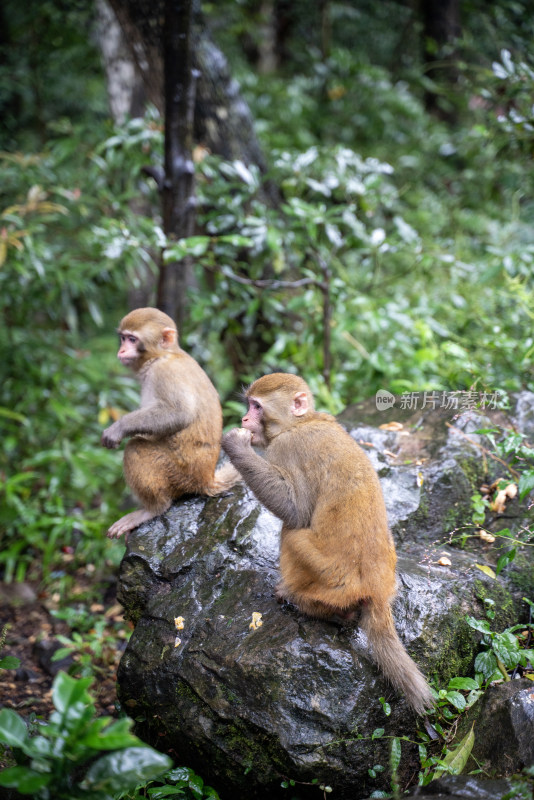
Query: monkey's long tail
(225,477)
(390,655)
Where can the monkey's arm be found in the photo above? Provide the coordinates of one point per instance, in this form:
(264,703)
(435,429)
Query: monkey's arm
(156,419)
(167,406)
(269,483)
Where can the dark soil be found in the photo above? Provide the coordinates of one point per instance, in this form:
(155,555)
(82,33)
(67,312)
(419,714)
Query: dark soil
(32,637)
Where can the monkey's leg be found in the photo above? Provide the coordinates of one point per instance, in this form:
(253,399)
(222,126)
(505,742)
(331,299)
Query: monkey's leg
(147,473)
(316,582)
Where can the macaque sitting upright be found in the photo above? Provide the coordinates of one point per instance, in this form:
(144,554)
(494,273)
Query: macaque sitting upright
(175,435)
(336,550)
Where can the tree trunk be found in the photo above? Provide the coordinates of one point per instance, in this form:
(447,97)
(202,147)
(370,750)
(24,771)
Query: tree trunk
(222,121)
(441,28)
(192,86)
(178,191)
(125,89)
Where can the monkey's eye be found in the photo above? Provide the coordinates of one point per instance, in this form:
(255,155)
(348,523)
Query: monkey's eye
(255,405)
(132,339)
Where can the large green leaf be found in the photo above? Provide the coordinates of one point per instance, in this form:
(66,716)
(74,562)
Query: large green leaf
(456,699)
(486,663)
(395,756)
(463,684)
(68,691)
(456,759)
(24,779)
(113,737)
(13,731)
(506,647)
(481,625)
(118,771)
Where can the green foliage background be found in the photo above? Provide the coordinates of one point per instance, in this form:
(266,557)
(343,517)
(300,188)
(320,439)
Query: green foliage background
(426,230)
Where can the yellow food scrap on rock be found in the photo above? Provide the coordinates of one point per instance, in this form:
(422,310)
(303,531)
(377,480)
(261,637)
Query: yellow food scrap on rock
(179,623)
(256,620)
(177,641)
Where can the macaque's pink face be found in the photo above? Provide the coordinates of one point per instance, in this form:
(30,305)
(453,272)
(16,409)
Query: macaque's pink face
(128,353)
(253,422)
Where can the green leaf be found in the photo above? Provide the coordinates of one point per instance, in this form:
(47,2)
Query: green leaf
(39,746)
(377,733)
(60,653)
(456,759)
(395,757)
(526,483)
(13,731)
(236,240)
(124,769)
(191,246)
(385,706)
(179,774)
(463,684)
(457,700)
(24,779)
(506,647)
(9,662)
(114,737)
(8,414)
(68,691)
(486,663)
(196,786)
(481,625)
(505,559)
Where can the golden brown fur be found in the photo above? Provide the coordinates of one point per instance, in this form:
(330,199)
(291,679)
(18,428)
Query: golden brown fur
(175,435)
(336,550)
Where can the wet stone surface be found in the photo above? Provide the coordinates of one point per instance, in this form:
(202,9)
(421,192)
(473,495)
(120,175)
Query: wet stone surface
(299,698)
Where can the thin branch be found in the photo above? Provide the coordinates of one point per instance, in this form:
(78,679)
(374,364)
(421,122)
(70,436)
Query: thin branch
(271,284)
(324,288)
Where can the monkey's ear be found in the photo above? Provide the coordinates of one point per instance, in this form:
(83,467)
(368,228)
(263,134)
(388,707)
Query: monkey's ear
(299,404)
(168,337)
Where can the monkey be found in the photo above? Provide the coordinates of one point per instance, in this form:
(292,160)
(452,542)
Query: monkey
(175,435)
(337,553)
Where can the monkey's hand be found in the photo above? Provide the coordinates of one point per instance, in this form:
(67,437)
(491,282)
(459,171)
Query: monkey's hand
(112,436)
(236,440)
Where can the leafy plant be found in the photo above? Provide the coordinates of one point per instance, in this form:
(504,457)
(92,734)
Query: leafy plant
(95,650)
(76,755)
(503,652)
(7,662)
(517,453)
(179,782)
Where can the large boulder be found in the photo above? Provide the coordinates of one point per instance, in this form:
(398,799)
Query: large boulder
(251,705)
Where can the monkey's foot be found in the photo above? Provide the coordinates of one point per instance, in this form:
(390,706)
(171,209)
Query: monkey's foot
(281,593)
(129,522)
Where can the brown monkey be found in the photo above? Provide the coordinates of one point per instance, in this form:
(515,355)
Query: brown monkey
(176,433)
(336,550)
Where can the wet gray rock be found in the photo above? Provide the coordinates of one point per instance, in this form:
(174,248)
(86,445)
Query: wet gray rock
(297,698)
(474,788)
(504,723)
(524,413)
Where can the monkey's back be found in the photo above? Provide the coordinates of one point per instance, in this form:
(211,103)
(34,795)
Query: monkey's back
(347,524)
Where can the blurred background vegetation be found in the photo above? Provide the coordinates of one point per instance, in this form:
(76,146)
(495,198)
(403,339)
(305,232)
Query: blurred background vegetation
(394,190)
